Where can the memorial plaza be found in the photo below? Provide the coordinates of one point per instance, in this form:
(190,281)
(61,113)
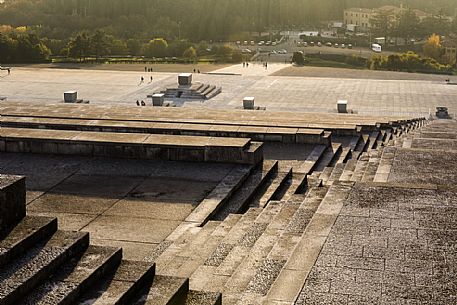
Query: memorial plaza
(241,186)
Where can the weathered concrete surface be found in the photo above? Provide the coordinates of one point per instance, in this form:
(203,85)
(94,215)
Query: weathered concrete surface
(12,200)
(129,203)
(388,245)
(424,166)
(316,94)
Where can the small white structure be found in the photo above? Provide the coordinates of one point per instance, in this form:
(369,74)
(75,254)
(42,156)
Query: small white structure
(342,106)
(70,96)
(158,99)
(185,79)
(375,47)
(248,102)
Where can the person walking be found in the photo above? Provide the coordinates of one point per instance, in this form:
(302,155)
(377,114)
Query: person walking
(9,71)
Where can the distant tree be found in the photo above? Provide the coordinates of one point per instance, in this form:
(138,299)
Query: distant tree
(157,47)
(381,24)
(79,46)
(432,48)
(134,46)
(98,43)
(298,59)
(7,47)
(408,25)
(190,53)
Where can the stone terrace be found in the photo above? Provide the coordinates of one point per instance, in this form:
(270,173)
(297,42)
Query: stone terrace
(364,217)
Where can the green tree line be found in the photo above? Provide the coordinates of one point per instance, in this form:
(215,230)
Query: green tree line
(195,20)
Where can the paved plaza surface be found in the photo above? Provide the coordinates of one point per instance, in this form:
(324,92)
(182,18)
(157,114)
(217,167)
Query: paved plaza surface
(368,92)
(128,203)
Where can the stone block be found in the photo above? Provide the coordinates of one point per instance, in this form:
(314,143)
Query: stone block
(70,96)
(185,79)
(341,106)
(248,102)
(12,200)
(158,99)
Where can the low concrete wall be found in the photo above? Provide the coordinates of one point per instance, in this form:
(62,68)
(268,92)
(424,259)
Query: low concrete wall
(173,152)
(12,200)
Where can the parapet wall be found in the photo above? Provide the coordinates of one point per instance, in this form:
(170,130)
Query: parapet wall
(12,200)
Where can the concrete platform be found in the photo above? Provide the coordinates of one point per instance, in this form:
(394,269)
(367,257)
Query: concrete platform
(90,194)
(130,145)
(317,93)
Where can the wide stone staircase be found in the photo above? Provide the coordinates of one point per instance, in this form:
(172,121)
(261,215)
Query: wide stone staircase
(198,91)
(40,264)
(254,239)
(264,256)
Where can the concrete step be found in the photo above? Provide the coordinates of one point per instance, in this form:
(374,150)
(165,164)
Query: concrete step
(363,144)
(302,257)
(282,234)
(296,185)
(26,234)
(345,155)
(219,196)
(326,173)
(385,165)
(165,290)
(348,170)
(230,236)
(241,198)
(359,170)
(374,137)
(356,140)
(232,251)
(252,259)
(370,171)
(203,298)
(76,276)
(39,263)
(275,189)
(183,257)
(329,158)
(121,286)
(337,172)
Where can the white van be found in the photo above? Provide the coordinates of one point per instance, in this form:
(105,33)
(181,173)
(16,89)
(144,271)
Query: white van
(376,47)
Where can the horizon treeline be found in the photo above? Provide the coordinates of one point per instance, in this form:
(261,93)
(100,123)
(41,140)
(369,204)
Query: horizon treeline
(194,20)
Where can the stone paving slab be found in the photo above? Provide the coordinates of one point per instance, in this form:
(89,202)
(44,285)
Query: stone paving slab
(424,166)
(388,245)
(274,92)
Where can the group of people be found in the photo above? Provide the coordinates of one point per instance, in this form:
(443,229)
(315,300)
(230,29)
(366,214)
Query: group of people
(197,71)
(146,69)
(245,64)
(142,80)
(140,104)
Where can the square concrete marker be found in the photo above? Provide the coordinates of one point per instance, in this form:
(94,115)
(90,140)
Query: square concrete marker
(158,99)
(342,106)
(248,102)
(185,79)
(70,96)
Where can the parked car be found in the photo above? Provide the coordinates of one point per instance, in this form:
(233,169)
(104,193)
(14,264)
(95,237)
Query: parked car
(328,44)
(336,45)
(311,43)
(305,44)
(343,46)
(349,46)
(319,44)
